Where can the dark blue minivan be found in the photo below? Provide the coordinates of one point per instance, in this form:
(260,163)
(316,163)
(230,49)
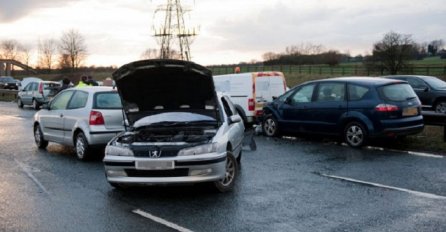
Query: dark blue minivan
(353,108)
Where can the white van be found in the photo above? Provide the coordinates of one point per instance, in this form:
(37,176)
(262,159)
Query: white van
(250,91)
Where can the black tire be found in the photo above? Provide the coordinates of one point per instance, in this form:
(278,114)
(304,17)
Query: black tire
(355,134)
(36,105)
(82,147)
(38,138)
(440,107)
(19,103)
(270,126)
(227,183)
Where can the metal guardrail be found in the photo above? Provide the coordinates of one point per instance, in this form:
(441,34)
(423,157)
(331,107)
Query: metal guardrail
(435,119)
(8,95)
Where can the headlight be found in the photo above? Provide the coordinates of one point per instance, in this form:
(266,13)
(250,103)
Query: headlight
(118,151)
(198,150)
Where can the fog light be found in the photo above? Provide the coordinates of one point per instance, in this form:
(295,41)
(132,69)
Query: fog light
(200,172)
(115,173)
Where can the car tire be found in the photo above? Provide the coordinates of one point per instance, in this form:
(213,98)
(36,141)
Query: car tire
(231,173)
(36,105)
(19,103)
(38,138)
(355,134)
(440,107)
(81,147)
(270,127)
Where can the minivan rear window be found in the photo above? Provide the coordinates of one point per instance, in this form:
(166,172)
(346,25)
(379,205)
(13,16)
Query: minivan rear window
(397,92)
(107,100)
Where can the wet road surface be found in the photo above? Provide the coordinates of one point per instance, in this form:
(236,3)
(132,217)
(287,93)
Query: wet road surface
(287,184)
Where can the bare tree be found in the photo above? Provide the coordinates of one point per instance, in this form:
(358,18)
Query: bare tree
(394,51)
(9,49)
(72,44)
(24,54)
(47,53)
(270,56)
(434,46)
(150,53)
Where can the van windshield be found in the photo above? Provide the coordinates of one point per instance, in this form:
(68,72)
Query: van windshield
(397,92)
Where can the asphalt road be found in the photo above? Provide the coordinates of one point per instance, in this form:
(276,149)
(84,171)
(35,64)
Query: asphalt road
(287,184)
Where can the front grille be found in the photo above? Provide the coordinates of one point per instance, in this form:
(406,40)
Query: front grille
(146,151)
(180,172)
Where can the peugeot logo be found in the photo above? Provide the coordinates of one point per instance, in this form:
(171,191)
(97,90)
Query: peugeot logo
(155,153)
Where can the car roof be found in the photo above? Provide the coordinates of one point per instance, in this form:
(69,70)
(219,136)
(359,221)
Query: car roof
(419,76)
(94,89)
(375,81)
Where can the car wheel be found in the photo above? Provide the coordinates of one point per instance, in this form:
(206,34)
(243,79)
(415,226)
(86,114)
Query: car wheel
(36,105)
(270,126)
(38,138)
(19,103)
(355,134)
(227,183)
(81,146)
(440,107)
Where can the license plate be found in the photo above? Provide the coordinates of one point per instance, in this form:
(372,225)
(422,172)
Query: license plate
(410,111)
(154,165)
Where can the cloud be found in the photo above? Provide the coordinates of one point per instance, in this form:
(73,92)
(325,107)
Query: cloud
(11,10)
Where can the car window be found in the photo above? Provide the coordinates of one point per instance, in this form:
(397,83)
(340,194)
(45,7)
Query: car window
(416,83)
(107,100)
(397,92)
(61,101)
(435,82)
(304,94)
(228,107)
(330,92)
(79,100)
(356,92)
(285,96)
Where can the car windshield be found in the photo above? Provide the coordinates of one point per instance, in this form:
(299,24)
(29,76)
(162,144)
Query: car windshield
(397,92)
(7,79)
(50,86)
(108,100)
(435,82)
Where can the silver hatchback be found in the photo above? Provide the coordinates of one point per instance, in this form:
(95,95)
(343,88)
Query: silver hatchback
(81,117)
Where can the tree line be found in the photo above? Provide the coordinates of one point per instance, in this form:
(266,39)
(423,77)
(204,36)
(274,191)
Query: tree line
(66,53)
(392,53)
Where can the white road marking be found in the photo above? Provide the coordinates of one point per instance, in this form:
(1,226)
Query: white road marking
(422,154)
(417,193)
(31,176)
(161,221)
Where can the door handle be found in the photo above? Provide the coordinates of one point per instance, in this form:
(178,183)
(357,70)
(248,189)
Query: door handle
(61,115)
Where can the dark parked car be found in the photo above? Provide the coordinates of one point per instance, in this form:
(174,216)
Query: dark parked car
(430,90)
(9,83)
(353,108)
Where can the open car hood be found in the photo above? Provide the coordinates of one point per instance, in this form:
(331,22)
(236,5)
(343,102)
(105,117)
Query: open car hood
(149,87)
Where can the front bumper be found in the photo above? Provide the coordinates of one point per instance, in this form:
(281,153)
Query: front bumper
(186,169)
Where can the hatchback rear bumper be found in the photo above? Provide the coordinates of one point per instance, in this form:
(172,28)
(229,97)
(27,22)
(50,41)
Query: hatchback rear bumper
(400,131)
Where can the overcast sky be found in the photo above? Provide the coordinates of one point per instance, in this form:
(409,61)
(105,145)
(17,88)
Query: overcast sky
(231,31)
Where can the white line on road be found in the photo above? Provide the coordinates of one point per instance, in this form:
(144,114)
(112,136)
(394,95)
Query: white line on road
(161,221)
(417,193)
(31,176)
(422,154)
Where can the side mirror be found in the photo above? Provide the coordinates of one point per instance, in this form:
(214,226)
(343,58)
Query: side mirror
(426,89)
(288,100)
(274,98)
(234,119)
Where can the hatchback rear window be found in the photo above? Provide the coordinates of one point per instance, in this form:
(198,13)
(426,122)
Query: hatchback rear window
(50,86)
(397,92)
(107,100)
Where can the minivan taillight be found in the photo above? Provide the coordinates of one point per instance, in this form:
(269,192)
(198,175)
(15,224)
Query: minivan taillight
(96,118)
(251,104)
(386,108)
(41,88)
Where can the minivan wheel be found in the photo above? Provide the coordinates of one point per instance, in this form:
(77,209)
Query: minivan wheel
(36,105)
(81,146)
(440,107)
(38,138)
(227,183)
(19,103)
(355,134)
(270,126)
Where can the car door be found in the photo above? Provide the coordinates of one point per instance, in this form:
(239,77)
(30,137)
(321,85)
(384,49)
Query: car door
(52,120)
(421,89)
(294,109)
(76,112)
(236,130)
(26,95)
(329,104)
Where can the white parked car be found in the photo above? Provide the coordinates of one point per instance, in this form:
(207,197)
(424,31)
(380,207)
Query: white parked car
(85,118)
(180,130)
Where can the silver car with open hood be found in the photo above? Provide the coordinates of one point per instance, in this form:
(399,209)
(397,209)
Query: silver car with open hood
(178,129)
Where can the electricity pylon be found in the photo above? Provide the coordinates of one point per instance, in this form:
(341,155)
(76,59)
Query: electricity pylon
(174,32)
